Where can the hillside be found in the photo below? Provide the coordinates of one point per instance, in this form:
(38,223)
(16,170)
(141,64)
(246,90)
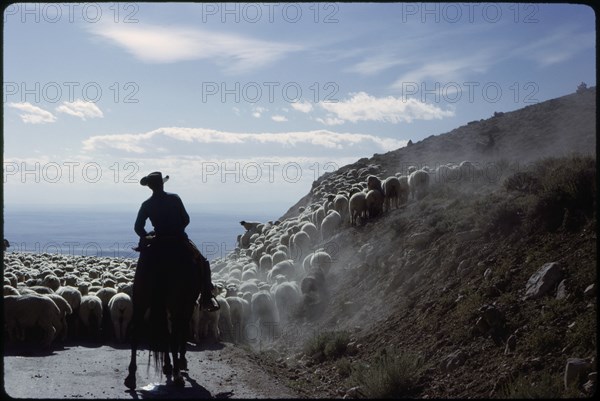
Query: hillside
(556,127)
(429,300)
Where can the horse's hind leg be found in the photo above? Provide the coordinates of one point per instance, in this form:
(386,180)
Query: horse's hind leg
(167,366)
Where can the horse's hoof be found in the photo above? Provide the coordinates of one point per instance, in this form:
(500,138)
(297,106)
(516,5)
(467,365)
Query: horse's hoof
(168,370)
(179,382)
(130,382)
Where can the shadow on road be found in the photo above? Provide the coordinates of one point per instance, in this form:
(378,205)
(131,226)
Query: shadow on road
(170,391)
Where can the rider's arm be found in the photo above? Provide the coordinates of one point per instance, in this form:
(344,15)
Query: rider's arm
(140,222)
(185,217)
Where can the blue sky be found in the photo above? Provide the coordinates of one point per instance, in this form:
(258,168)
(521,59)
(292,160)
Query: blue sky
(244,105)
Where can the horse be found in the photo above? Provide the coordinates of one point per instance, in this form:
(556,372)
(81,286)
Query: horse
(167,283)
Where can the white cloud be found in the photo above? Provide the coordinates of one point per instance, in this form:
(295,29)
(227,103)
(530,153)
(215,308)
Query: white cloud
(558,47)
(81,109)
(258,111)
(304,106)
(162,44)
(141,143)
(330,121)
(279,118)
(33,114)
(363,107)
(376,64)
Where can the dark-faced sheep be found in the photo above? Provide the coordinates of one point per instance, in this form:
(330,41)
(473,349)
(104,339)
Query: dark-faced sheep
(374,200)
(392,192)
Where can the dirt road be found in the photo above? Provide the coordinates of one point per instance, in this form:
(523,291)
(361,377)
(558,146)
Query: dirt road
(98,372)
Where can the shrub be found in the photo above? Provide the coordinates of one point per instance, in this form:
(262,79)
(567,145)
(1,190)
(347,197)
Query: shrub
(563,189)
(545,386)
(344,367)
(327,346)
(389,376)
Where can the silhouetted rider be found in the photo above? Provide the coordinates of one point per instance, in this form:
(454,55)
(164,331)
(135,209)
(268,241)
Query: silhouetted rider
(169,239)
(165,210)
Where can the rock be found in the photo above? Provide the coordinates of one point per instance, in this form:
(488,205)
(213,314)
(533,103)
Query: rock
(463,268)
(575,369)
(561,291)
(487,274)
(493,317)
(543,280)
(511,343)
(590,386)
(590,291)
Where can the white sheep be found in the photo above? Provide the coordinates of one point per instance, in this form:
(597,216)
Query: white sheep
(65,310)
(312,230)
(264,314)
(285,268)
(121,313)
(287,298)
(340,204)
(248,286)
(319,215)
(51,281)
(418,182)
(357,206)
(404,189)
(330,224)
(10,290)
(71,295)
(239,310)
(301,244)
(314,291)
(225,325)
(90,315)
(279,256)
(23,312)
(321,260)
(42,290)
(306,263)
(249,274)
(204,321)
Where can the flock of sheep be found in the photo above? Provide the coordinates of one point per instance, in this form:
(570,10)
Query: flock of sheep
(277,274)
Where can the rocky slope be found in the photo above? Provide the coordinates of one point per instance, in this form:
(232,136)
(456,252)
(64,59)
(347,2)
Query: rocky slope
(438,299)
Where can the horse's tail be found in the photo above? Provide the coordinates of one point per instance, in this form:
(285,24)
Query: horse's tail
(159,335)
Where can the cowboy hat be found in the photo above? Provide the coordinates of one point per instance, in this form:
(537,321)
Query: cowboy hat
(153,177)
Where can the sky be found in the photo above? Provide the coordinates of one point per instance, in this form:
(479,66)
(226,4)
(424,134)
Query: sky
(244,105)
